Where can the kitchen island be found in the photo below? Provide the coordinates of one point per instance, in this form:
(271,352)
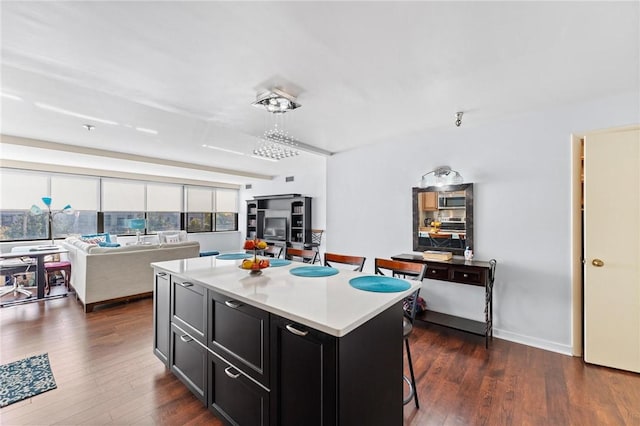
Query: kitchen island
(278,349)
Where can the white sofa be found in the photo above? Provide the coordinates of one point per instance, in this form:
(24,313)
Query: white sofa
(111,274)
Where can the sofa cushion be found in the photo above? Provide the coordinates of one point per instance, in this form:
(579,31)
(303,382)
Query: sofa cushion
(96,238)
(163,236)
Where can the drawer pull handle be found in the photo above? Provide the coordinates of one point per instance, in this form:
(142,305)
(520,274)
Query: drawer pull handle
(162,274)
(230,374)
(465,275)
(295,331)
(233,304)
(186,338)
(433,271)
(185,284)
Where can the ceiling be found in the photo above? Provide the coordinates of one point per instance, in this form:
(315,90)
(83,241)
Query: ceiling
(364,72)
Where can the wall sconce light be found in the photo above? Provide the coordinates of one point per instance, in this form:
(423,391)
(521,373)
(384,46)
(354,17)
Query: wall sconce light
(35,210)
(441,176)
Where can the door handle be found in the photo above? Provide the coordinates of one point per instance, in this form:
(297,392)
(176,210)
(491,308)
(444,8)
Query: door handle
(295,331)
(597,262)
(232,304)
(186,338)
(185,284)
(230,374)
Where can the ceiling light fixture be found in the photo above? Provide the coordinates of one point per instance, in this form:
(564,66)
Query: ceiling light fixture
(275,143)
(459,118)
(89,127)
(217,148)
(441,176)
(9,96)
(73,114)
(144,130)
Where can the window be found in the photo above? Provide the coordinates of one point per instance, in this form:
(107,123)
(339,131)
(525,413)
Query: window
(118,222)
(107,205)
(226,221)
(199,222)
(21,225)
(164,204)
(162,221)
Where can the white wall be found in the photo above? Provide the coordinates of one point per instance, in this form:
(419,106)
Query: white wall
(520,168)
(311,181)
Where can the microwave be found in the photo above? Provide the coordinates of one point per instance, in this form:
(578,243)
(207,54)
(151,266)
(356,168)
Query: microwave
(455,202)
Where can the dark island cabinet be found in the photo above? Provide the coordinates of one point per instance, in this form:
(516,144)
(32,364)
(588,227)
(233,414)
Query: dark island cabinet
(252,367)
(239,333)
(189,362)
(304,391)
(161,316)
(234,397)
(189,307)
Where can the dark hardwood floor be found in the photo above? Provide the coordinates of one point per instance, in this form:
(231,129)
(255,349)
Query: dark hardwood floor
(107,374)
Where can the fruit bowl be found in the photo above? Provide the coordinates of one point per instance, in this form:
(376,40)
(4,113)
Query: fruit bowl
(255,265)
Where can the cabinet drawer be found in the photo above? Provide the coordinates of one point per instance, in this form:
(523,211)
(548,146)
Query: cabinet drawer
(189,307)
(189,362)
(468,276)
(437,272)
(235,397)
(240,334)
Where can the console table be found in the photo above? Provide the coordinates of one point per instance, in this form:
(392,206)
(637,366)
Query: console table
(457,270)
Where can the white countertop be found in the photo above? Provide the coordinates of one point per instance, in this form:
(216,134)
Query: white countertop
(328,304)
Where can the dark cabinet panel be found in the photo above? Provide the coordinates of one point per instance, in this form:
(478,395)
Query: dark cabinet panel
(161,317)
(235,397)
(304,383)
(189,307)
(240,334)
(189,362)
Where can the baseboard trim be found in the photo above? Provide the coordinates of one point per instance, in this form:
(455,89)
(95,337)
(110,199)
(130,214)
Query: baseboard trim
(533,341)
(88,307)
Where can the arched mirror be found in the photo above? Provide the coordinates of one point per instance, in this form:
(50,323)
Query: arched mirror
(443,218)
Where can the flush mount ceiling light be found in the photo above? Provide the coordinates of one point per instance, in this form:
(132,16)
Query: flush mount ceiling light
(276,143)
(276,101)
(441,176)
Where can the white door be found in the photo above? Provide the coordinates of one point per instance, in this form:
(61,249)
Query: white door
(612,249)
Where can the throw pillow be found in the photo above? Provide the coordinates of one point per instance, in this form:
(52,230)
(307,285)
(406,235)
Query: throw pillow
(96,238)
(105,244)
(172,239)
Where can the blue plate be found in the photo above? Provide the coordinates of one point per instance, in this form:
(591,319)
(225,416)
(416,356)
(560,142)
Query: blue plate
(279,262)
(313,271)
(234,256)
(379,284)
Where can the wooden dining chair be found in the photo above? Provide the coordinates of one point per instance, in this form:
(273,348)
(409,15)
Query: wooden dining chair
(306,256)
(273,251)
(415,271)
(332,258)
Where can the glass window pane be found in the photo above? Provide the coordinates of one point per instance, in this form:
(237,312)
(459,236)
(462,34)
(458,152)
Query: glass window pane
(80,192)
(199,222)
(21,225)
(118,222)
(200,199)
(19,190)
(80,222)
(162,221)
(227,221)
(226,200)
(164,198)
(122,196)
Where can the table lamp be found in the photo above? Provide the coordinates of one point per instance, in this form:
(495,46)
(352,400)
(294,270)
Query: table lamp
(137,224)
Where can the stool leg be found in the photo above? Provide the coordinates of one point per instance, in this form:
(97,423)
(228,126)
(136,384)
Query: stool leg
(413,378)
